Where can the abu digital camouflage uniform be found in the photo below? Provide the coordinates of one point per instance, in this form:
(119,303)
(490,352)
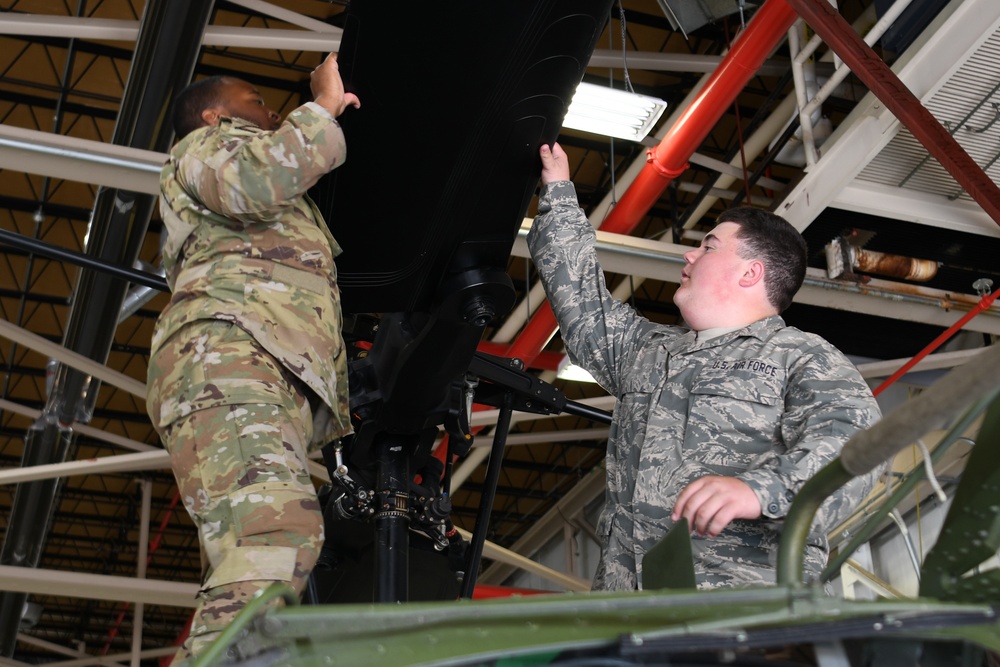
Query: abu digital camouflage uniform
(766,403)
(248,366)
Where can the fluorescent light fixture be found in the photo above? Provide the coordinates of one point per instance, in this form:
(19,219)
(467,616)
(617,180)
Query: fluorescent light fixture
(569,371)
(615,113)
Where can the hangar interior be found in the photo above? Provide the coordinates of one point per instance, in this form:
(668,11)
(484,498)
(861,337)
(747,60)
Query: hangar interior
(894,177)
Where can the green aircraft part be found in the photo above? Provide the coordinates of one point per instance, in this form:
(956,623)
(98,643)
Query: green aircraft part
(971,530)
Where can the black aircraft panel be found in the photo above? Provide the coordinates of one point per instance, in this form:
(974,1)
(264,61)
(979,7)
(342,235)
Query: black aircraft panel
(442,164)
(443,154)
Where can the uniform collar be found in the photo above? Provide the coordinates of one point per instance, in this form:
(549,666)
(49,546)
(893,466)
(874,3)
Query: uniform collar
(760,329)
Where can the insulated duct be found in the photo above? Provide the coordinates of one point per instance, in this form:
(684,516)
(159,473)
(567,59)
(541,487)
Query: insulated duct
(689,15)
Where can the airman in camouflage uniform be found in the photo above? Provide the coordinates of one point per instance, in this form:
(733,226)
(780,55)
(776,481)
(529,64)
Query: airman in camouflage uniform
(247,373)
(720,423)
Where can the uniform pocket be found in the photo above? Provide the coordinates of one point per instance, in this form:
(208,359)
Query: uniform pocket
(210,363)
(734,415)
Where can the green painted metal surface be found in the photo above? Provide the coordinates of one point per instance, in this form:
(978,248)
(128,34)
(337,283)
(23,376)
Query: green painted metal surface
(527,630)
(971,531)
(669,564)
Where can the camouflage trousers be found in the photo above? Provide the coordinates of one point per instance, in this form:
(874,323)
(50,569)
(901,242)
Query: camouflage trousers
(241,471)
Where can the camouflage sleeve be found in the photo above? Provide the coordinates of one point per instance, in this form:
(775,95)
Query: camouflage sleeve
(256,176)
(826,402)
(598,331)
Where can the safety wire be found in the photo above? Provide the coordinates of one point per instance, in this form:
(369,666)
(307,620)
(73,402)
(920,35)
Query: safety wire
(894,495)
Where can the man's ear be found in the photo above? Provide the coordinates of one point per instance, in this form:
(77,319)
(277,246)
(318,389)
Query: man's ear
(753,273)
(211,115)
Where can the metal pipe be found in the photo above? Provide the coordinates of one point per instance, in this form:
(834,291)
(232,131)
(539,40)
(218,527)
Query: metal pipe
(896,266)
(64,153)
(392,519)
(669,159)
(662,262)
(984,304)
(147,501)
(840,73)
(802,92)
(139,295)
(34,246)
(489,493)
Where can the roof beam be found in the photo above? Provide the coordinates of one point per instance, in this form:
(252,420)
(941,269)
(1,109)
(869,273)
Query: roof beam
(923,69)
(628,255)
(320,37)
(122,30)
(96,587)
(924,208)
(80,160)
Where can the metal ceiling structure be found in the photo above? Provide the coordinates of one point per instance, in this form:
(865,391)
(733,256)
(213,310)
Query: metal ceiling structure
(107,576)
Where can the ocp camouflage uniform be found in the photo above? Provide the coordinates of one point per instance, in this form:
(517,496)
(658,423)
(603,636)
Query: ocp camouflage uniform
(248,367)
(766,403)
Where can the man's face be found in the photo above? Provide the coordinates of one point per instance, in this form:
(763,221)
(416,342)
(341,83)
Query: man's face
(710,279)
(241,100)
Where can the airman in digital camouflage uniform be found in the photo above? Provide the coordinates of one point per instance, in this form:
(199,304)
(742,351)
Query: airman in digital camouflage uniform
(721,421)
(248,368)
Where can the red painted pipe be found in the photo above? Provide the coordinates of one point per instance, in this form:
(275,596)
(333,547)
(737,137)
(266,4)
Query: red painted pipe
(669,159)
(535,335)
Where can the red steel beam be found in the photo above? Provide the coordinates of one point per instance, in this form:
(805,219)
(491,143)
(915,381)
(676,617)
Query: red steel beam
(904,105)
(668,159)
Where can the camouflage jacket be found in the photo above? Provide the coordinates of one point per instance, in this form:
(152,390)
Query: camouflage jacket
(245,244)
(767,403)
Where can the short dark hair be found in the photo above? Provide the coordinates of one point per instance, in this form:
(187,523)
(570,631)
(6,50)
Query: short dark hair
(190,102)
(772,239)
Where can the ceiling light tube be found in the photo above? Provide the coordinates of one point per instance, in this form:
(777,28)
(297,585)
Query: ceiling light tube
(614,113)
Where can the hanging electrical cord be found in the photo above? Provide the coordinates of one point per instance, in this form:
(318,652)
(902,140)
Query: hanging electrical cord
(905,532)
(929,470)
